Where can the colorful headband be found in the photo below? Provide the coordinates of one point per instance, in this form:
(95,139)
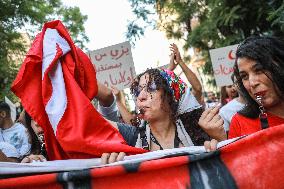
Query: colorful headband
(176,85)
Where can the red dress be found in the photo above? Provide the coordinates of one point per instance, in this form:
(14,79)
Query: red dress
(241,125)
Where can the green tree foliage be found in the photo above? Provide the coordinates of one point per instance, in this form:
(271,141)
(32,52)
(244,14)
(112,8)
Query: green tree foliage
(19,15)
(220,22)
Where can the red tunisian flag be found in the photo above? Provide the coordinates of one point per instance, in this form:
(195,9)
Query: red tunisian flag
(55,84)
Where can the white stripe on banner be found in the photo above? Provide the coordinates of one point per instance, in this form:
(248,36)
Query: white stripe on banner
(56,106)
(204,176)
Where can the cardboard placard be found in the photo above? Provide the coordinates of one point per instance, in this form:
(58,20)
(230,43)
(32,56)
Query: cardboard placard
(114,65)
(223,60)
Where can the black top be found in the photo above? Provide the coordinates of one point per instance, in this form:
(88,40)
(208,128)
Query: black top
(189,120)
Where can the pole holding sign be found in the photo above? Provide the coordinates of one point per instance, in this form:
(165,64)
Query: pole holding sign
(223,60)
(114,65)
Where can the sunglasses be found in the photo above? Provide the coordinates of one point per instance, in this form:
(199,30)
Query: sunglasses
(150,88)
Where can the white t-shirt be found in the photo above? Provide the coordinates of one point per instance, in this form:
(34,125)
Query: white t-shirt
(9,150)
(17,136)
(1,137)
(228,111)
(211,104)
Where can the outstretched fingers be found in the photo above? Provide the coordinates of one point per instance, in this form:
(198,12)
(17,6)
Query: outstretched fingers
(212,112)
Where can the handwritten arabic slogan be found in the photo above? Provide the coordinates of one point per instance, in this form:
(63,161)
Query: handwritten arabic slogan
(223,60)
(114,65)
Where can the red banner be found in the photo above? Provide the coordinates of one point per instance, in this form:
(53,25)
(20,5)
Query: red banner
(251,162)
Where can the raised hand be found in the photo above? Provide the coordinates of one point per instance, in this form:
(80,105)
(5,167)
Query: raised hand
(212,123)
(116,93)
(175,51)
(172,64)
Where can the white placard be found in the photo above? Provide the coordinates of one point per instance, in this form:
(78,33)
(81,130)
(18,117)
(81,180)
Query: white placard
(223,60)
(12,107)
(114,65)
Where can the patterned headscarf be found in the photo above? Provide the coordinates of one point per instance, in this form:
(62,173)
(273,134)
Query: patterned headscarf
(176,85)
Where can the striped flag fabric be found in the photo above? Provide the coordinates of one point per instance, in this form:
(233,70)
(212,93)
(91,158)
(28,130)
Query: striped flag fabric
(56,84)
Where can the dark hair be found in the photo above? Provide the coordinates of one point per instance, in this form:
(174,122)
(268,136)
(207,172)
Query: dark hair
(5,107)
(35,149)
(161,83)
(189,119)
(190,122)
(236,84)
(269,53)
(223,95)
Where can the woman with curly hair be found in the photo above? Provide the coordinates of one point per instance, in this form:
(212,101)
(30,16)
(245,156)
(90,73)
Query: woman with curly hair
(163,99)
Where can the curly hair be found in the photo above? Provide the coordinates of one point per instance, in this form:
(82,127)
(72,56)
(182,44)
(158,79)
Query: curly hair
(161,83)
(189,119)
(6,108)
(267,52)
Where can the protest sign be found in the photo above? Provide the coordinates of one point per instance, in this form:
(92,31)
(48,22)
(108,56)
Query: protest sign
(114,65)
(223,60)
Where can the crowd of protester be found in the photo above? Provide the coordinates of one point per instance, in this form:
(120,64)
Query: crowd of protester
(170,114)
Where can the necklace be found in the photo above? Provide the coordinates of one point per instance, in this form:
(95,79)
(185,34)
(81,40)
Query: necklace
(176,140)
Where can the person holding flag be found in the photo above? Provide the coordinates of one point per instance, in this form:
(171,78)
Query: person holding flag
(56,83)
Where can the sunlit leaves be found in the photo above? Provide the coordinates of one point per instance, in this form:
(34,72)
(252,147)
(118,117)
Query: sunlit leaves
(220,22)
(28,16)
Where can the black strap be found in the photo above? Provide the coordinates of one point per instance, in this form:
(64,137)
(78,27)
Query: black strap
(176,140)
(155,141)
(143,137)
(262,115)
(263,120)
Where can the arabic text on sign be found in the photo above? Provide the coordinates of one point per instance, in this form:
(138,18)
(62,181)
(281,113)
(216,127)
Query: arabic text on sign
(122,79)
